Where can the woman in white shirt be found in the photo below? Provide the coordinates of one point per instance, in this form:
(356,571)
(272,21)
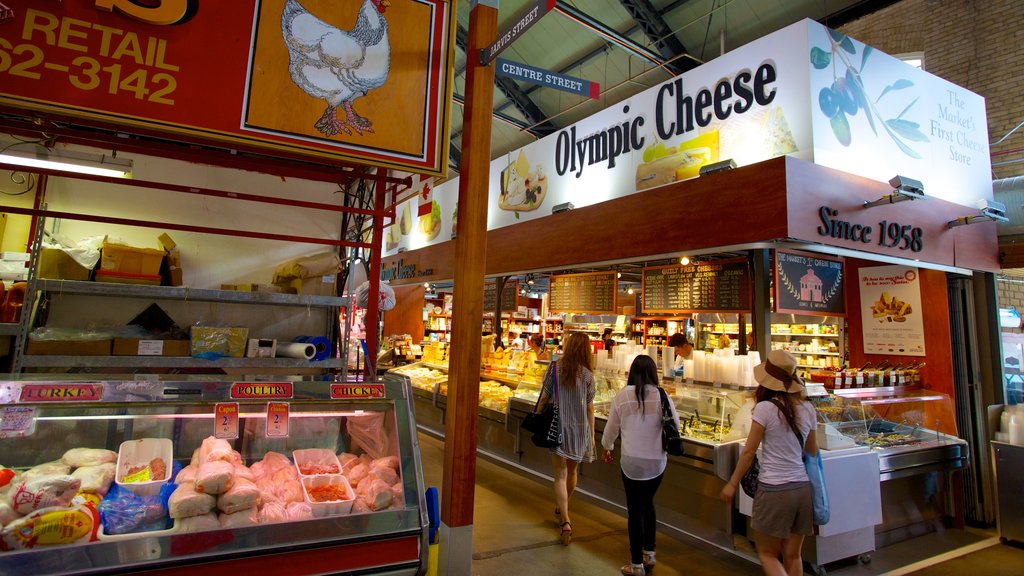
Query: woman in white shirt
(636,413)
(782,513)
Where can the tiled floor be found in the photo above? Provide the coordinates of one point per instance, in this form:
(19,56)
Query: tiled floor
(514,533)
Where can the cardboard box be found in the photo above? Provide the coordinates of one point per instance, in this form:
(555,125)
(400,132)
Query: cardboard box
(58,264)
(130,260)
(140,347)
(218,340)
(127,278)
(253,288)
(316,286)
(69,347)
(261,348)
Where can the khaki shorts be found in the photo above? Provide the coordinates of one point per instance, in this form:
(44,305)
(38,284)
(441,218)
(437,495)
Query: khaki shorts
(780,514)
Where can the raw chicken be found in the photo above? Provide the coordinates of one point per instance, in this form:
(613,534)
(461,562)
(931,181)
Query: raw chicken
(272,513)
(96,479)
(185,502)
(214,477)
(357,473)
(243,494)
(200,523)
(360,506)
(348,460)
(77,457)
(55,468)
(385,473)
(215,449)
(389,461)
(7,514)
(241,471)
(299,511)
(248,517)
(44,492)
(187,474)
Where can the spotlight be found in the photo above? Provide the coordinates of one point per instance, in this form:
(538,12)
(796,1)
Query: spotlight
(630,291)
(988,211)
(618,274)
(684,260)
(728,164)
(903,189)
(426,285)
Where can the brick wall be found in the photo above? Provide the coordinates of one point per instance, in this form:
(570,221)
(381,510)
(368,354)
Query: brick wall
(977,44)
(1010,290)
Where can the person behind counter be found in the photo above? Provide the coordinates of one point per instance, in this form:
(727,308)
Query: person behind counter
(576,390)
(782,513)
(682,347)
(607,341)
(636,413)
(515,342)
(536,343)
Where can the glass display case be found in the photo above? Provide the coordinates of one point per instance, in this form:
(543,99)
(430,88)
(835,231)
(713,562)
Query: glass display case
(712,416)
(122,474)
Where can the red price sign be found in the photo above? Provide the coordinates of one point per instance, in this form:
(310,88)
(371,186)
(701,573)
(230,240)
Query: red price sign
(225,416)
(277,419)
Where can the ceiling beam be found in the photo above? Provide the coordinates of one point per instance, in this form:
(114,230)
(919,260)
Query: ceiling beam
(584,19)
(526,106)
(659,33)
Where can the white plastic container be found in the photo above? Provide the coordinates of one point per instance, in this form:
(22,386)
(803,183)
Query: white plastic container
(316,457)
(139,453)
(332,507)
(1016,428)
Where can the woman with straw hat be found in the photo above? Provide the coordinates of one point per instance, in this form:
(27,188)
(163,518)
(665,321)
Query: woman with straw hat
(782,513)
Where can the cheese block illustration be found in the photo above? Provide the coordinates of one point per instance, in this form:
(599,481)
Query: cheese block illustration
(522,191)
(405,220)
(666,164)
(455,218)
(391,238)
(430,224)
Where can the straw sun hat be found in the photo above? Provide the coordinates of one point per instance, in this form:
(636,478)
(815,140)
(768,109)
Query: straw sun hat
(778,372)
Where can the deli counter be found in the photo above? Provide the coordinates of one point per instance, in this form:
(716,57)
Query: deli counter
(133,475)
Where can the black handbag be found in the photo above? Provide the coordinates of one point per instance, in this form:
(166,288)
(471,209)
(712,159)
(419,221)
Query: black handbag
(545,427)
(671,441)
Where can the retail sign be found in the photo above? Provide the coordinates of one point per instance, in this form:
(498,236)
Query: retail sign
(225,420)
(717,286)
(888,233)
(339,391)
(383,100)
(589,293)
(248,390)
(890,302)
(547,78)
(864,113)
(277,419)
(17,421)
(526,20)
(808,283)
(61,393)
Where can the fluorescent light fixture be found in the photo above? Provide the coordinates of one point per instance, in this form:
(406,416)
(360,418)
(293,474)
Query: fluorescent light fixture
(903,189)
(988,210)
(32,155)
(728,164)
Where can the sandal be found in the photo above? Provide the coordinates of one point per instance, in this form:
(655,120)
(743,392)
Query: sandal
(633,570)
(566,534)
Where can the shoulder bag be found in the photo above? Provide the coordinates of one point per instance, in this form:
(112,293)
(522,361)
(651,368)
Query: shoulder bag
(545,427)
(671,441)
(816,474)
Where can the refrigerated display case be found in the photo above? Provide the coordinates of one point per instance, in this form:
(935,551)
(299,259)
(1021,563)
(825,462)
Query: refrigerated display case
(289,515)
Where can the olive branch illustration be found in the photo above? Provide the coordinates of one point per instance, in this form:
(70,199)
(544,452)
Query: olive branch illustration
(846,96)
(789,285)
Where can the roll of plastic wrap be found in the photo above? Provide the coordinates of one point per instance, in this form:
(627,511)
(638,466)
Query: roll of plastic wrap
(296,350)
(322,344)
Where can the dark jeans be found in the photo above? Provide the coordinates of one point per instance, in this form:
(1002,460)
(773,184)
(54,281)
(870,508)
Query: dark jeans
(642,522)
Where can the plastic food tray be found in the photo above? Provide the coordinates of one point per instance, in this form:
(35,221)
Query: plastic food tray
(140,452)
(316,456)
(331,508)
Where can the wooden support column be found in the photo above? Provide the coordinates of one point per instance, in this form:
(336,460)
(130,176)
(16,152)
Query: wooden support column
(457,493)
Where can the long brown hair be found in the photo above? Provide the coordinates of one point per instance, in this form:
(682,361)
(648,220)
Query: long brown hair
(576,356)
(787,399)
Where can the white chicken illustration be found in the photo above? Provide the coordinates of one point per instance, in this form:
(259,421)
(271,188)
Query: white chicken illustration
(338,65)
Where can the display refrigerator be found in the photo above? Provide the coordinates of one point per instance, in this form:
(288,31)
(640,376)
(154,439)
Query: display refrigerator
(186,473)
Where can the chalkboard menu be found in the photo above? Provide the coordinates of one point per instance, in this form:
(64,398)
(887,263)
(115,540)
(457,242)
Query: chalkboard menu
(718,286)
(592,293)
(508,296)
(808,283)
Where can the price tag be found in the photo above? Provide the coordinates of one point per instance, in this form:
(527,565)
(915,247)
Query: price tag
(143,475)
(17,421)
(277,419)
(226,420)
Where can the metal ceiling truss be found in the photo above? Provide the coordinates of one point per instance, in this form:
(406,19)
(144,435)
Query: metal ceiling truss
(658,32)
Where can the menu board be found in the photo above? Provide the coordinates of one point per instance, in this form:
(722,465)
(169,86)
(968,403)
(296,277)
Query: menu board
(718,286)
(508,296)
(809,284)
(591,293)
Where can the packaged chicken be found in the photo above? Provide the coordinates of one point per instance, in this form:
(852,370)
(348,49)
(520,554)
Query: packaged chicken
(215,449)
(389,461)
(258,469)
(51,526)
(77,457)
(214,477)
(347,460)
(290,491)
(55,468)
(398,493)
(299,511)
(96,479)
(195,458)
(272,513)
(43,492)
(377,493)
(248,517)
(185,502)
(274,461)
(187,474)
(242,494)
(242,471)
(200,523)
(360,506)
(385,473)
(7,514)
(357,473)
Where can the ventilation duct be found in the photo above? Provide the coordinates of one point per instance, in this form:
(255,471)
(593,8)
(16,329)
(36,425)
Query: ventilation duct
(1010,192)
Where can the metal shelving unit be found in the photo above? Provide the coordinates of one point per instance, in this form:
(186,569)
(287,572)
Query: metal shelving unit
(49,361)
(185,293)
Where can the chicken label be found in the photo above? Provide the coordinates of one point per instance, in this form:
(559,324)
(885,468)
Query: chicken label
(357,391)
